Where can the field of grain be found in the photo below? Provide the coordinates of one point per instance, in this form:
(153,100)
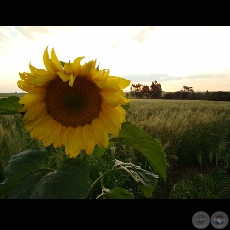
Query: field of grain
(195,136)
(4,95)
(189,130)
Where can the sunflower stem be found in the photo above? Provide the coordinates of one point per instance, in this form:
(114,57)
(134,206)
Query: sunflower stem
(99,196)
(99,179)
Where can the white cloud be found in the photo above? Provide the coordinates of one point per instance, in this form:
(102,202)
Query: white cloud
(176,51)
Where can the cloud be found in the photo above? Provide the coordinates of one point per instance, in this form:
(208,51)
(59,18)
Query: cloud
(5,33)
(166,77)
(199,76)
(3,36)
(216,82)
(30,31)
(150,77)
(115,47)
(141,36)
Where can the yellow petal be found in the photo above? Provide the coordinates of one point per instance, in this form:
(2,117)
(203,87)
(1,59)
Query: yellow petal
(27,76)
(68,68)
(48,63)
(121,112)
(100,78)
(112,98)
(76,65)
(63,76)
(32,123)
(71,149)
(126,100)
(37,72)
(29,97)
(30,105)
(116,83)
(112,114)
(41,80)
(32,68)
(55,60)
(100,84)
(77,140)
(124,83)
(110,127)
(58,142)
(34,112)
(39,130)
(67,141)
(23,85)
(87,67)
(88,141)
(101,75)
(99,134)
(55,133)
(51,129)
(71,80)
(66,135)
(113,82)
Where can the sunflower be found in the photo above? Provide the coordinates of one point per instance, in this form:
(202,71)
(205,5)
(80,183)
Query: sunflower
(72,105)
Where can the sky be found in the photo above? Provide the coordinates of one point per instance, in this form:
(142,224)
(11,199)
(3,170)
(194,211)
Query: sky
(174,56)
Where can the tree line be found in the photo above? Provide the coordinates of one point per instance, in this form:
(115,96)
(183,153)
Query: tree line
(210,96)
(154,91)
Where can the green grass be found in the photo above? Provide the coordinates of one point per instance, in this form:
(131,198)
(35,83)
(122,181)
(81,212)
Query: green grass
(188,130)
(13,137)
(194,134)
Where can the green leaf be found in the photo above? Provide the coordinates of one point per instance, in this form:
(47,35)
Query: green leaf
(62,63)
(27,178)
(25,162)
(70,181)
(19,166)
(151,149)
(118,193)
(99,151)
(146,180)
(126,106)
(148,190)
(10,105)
(26,186)
(7,186)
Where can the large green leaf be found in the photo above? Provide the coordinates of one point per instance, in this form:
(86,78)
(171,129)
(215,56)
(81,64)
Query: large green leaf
(146,180)
(25,187)
(99,151)
(118,193)
(25,162)
(27,178)
(70,181)
(126,106)
(19,166)
(151,149)
(10,105)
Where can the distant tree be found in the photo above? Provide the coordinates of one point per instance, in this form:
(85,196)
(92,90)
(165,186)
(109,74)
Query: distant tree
(145,91)
(187,89)
(155,90)
(136,90)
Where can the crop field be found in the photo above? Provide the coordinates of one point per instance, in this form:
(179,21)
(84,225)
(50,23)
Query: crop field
(190,131)
(194,134)
(4,95)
